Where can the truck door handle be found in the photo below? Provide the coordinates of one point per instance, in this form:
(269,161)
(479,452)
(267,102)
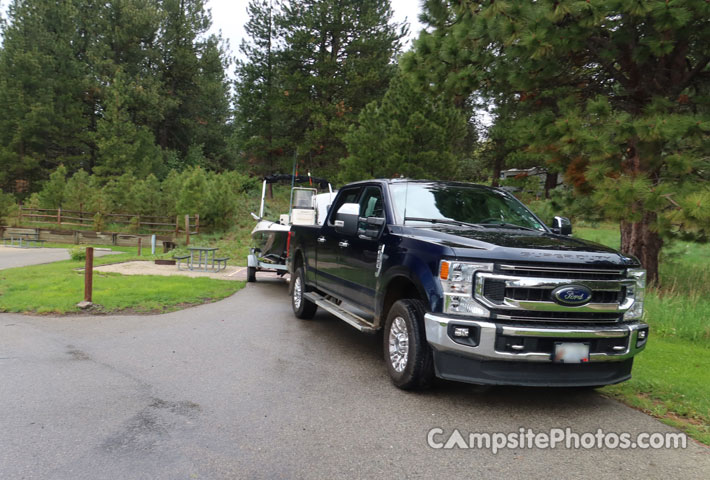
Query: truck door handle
(321,239)
(343,244)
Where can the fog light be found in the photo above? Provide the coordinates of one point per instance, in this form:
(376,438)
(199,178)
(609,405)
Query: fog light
(468,335)
(460,332)
(641,337)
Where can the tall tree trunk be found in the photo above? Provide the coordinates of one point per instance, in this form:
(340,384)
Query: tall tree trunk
(497,168)
(550,183)
(639,240)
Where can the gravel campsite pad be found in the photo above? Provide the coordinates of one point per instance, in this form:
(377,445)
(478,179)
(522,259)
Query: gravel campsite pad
(150,268)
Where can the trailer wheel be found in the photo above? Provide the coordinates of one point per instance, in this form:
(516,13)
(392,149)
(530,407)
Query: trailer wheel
(302,307)
(407,354)
(251,274)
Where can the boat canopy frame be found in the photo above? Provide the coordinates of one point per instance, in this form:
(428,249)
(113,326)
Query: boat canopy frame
(278,177)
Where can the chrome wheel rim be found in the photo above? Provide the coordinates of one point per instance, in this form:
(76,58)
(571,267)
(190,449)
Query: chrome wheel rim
(399,344)
(297,293)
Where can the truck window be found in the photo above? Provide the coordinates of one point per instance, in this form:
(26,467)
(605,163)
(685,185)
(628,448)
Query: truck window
(371,203)
(346,196)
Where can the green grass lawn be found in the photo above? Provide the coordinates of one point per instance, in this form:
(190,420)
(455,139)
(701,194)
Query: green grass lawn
(671,378)
(671,381)
(58,287)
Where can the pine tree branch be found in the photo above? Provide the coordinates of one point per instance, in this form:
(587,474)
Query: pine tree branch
(701,65)
(594,45)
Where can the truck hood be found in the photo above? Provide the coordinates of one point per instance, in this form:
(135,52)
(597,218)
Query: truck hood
(515,244)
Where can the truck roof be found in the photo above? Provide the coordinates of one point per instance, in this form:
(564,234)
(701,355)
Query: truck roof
(391,181)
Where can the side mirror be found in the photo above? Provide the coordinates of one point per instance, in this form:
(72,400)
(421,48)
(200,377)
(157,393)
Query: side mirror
(561,226)
(370,227)
(346,218)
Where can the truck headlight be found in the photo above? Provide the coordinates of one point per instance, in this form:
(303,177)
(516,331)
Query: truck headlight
(457,283)
(638,289)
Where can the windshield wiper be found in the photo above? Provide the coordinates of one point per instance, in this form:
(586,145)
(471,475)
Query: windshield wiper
(508,225)
(444,221)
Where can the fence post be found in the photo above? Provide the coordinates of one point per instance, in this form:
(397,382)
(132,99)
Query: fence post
(59,216)
(140,244)
(19,216)
(197,223)
(89,274)
(187,230)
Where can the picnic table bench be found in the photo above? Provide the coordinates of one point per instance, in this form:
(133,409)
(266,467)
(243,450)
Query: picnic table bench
(16,237)
(206,259)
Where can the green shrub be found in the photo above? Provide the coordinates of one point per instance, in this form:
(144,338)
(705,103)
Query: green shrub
(218,198)
(78,253)
(7,204)
(99,222)
(134,224)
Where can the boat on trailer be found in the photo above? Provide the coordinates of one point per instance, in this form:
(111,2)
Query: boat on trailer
(270,238)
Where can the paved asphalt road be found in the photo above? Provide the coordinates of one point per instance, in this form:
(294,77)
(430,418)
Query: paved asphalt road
(11,257)
(242,389)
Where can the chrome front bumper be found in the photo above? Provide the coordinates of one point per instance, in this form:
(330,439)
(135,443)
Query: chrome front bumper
(437,333)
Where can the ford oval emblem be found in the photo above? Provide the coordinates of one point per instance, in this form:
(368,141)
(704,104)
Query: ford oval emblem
(572,295)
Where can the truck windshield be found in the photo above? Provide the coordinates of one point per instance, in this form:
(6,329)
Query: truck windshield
(462,205)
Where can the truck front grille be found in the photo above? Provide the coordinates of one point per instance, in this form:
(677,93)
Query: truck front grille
(496,291)
(523,293)
(561,271)
(556,317)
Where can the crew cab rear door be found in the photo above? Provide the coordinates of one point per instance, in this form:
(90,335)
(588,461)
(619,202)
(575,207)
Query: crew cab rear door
(358,253)
(329,269)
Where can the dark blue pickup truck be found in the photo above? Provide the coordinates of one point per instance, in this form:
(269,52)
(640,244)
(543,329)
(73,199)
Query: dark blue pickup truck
(469,285)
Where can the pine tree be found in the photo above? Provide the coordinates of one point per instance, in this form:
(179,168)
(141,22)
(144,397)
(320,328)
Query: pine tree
(409,133)
(193,192)
(7,204)
(338,57)
(146,196)
(257,102)
(117,194)
(78,191)
(52,194)
(615,93)
(42,83)
(94,85)
(311,66)
(123,146)
(195,89)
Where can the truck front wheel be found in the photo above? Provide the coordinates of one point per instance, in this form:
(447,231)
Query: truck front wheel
(407,353)
(302,307)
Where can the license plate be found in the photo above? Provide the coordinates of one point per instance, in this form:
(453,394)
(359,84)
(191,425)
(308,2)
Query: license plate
(571,352)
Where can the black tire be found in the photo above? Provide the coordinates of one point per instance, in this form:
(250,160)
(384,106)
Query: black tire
(302,307)
(417,370)
(251,274)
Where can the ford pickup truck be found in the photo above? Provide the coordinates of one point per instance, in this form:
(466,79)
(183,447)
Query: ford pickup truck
(467,284)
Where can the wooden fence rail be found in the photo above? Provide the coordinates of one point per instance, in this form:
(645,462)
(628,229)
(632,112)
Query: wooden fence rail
(153,223)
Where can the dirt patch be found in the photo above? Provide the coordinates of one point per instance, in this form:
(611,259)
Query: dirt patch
(150,268)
